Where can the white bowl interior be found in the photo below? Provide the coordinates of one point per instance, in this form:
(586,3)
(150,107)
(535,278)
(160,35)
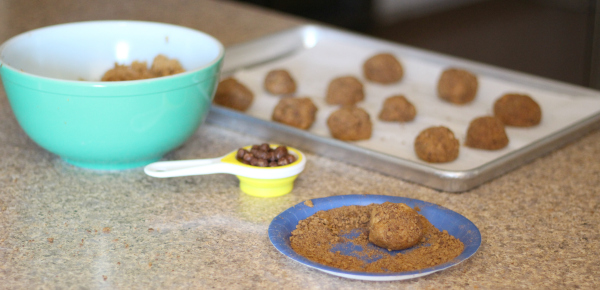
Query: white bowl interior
(86,50)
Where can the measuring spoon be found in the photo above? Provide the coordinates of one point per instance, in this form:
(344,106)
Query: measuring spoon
(254,180)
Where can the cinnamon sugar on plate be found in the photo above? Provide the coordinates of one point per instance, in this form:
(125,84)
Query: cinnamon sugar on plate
(339,238)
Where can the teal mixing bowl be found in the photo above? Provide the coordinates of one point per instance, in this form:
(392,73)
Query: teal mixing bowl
(52,79)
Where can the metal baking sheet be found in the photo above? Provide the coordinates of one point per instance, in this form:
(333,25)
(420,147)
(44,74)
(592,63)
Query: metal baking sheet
(315,54)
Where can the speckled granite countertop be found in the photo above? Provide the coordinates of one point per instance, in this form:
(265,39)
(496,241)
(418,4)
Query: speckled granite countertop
(64,227)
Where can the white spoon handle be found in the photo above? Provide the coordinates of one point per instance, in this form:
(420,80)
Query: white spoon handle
(187,167)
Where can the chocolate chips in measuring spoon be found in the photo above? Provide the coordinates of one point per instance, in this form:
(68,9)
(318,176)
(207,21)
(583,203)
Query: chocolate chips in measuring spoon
(264,156)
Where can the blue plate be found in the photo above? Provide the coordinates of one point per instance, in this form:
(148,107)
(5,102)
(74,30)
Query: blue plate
(442,218)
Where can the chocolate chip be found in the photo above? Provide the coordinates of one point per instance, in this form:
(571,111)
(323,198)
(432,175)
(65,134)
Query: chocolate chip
(248,156)
(262,162)
(282,162)
(271,156)
(290,158)
(280,152)
(261,154)
(241,153)
(264,147)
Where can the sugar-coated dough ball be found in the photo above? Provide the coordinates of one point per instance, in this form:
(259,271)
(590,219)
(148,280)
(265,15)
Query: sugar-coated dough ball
(233,94)
(350,123)
(436,145)
(297,112)
(518,110)
(395,226)
(346,90)
(280,82)
(383,68)
(397,108)
(486,133)
(457,86)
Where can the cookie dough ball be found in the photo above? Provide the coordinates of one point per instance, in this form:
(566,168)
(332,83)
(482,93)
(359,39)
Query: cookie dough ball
(457,86)
(395,226)
(436,145)
(397,108)
(486,133)
(346,90)
(350,123)
(518,110)
(280,82)
(383,68)
(233,94)
(297,112)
